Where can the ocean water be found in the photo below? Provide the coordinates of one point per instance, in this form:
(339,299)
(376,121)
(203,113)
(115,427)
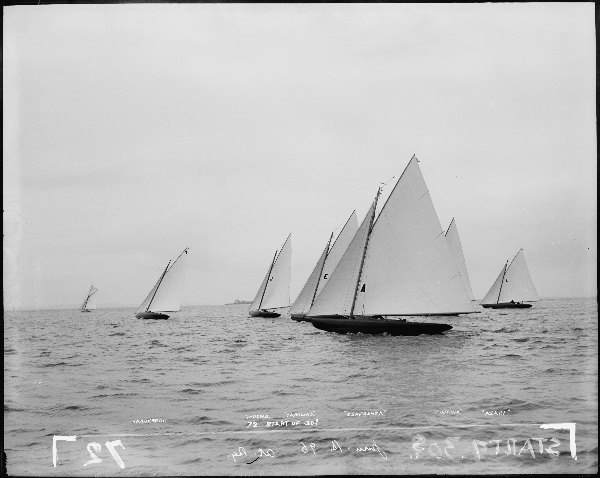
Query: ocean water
(212,391)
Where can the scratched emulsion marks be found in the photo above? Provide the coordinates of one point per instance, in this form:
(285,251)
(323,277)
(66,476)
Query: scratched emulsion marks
(213,392)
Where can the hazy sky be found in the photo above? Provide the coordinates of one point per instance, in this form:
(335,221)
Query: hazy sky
(133,131)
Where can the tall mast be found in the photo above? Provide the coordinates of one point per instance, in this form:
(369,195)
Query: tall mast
(83,306)
(268,278)
(321,271)
(160,280)
(364,254)
(501,283)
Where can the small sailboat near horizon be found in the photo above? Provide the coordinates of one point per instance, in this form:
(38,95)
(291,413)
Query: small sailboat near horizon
(164,296)
(513,287)
(399,264)
(328,261)
(89,302)
(274,291)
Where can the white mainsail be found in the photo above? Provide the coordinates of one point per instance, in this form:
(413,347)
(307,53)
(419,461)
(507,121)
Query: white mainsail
(338,293)
(307,294)
(90,301)
(408,268)
(259,295)
(276,285)
(494,293)
(514,283)
(459,258)
(518,285)
(337,250)
(165,295)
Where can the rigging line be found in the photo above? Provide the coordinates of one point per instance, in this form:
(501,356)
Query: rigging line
(362,262)
(268,277)
(345,224)
(395,186)
(501,283)
(321,271)
(159,282)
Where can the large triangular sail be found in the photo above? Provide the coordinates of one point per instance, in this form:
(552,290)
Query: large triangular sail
(308,292)
(165,295)
(261,290)
(89,303)
(459,258)
(337,296)
(337,250)
(409,269)
(407,266)
(276,285)
(493,294)
(518,285)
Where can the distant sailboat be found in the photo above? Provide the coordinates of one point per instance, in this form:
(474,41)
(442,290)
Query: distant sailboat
(326,264)
(513,286)
(274,292)
(164,296)
(89,303)
(397,265)
(459,258)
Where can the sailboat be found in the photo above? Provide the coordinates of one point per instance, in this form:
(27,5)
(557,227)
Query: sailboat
(397,265)
(513,286)
(164,296)
(328,261)
(89,302)
(456,249)
(274,291)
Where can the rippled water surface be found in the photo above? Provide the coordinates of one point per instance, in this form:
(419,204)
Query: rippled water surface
(189,395)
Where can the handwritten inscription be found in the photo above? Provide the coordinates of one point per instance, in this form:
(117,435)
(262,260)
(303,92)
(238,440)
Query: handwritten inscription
(479,448)
(93,448)
(495,412)
(364,413)
(149,420)
(448,412)
(261,452)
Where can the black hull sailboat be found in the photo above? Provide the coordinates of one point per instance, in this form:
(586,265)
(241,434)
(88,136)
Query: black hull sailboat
(377,326)
(300,317)
(513,288)
(508,305)
(274,291)
(164,296)
(264,313)
(89,302)
(326,264)
(400,265)
(151,315)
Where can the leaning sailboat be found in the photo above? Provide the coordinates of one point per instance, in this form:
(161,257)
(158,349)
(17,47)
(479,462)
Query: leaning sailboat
(328,261)
(89,302)
(274,291)
(399,264)
(164,296)
(513,287)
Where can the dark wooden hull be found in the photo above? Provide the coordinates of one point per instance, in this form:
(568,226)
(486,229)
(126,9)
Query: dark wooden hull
(263,313)
(374,326)
(151,315)
(85,310)
(300,318)
(507,305)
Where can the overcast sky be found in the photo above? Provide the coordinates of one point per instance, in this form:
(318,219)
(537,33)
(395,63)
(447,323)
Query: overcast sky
(134,131)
